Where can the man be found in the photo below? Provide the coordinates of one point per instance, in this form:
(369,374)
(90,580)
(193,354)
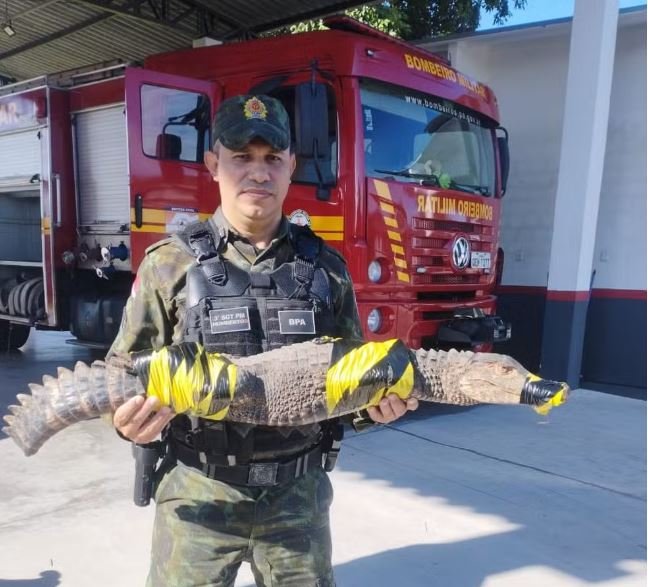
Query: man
(228,492)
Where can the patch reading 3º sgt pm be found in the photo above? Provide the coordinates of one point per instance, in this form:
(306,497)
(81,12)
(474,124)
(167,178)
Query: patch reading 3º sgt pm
(229,320)
(296,322)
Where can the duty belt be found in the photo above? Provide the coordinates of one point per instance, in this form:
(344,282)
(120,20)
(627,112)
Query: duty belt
(260,474)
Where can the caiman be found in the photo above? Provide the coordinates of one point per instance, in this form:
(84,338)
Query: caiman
(294,385)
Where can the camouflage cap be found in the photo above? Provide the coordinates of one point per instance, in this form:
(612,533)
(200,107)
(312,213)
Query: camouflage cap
(242,118)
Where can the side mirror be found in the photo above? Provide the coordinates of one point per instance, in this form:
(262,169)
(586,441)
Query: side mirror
(311,120)
(168,146)
(504,157)
(311,134)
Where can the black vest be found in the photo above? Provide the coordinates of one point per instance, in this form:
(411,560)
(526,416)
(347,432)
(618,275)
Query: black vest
(241,313)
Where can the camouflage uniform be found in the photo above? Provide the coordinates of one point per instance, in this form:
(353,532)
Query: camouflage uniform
(205,528)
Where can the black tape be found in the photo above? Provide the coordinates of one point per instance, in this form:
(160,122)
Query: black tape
(536,393)
(342,347)
(142,365)
(387,371)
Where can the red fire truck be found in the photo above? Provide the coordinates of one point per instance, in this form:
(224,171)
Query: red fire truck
(401,166)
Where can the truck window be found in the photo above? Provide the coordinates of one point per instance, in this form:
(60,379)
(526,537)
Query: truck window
(175,123)
(416,136)
(305,171)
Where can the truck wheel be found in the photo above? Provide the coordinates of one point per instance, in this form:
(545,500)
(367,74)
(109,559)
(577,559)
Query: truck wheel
(13,336)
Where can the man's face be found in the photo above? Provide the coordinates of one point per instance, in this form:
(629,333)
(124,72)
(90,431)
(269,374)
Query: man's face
(253,182)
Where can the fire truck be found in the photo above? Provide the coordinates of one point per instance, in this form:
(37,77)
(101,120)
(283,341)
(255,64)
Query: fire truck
(401,166)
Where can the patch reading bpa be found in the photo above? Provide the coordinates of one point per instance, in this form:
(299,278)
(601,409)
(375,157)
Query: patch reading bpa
(296,321)
(230,320)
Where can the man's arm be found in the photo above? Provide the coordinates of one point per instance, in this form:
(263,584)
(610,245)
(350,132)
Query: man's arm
(145,324)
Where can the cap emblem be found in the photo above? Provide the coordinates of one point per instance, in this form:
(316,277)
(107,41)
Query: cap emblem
(254,108)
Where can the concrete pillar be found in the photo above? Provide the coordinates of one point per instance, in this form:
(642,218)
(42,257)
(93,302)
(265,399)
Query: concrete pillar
(589,81)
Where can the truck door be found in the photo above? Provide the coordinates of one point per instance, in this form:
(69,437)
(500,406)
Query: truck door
(168,121)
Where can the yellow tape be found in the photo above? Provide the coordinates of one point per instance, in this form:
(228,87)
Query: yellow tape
(345,376)
(184,389)
(403,387)
(554,402)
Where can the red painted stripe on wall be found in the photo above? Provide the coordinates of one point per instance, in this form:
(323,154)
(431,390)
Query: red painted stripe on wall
(621,294)
(522,290)
(568,296)
(573,296)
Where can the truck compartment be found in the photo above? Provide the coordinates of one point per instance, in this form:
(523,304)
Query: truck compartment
(103,195)
(21,274)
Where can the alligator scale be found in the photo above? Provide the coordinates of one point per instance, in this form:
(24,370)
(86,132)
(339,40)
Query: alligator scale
(294,385)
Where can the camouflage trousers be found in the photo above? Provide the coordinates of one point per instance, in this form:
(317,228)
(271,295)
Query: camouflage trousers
(205,529)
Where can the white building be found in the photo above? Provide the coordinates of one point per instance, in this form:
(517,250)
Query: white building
(528,69)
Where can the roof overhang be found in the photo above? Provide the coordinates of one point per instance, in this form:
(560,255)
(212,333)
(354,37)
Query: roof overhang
(38,37)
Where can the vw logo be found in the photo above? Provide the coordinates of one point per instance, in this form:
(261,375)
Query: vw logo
(461,253)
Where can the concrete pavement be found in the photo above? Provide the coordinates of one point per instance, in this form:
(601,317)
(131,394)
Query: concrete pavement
(490,496)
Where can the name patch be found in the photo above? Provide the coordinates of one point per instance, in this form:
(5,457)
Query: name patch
(296,322)
(230,320)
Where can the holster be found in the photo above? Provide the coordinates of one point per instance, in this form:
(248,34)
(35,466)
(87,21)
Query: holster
(331,442)
(146,459)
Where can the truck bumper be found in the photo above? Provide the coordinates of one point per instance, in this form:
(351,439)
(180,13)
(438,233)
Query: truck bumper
(420,324)
(474,330)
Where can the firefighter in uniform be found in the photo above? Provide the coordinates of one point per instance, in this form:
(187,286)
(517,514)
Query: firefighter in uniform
(244,282)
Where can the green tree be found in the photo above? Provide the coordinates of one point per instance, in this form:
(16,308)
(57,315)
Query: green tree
(417,19)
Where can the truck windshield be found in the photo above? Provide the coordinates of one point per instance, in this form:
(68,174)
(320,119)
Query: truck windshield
(425,139)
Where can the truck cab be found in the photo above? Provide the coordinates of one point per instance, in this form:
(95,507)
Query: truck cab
(401,167)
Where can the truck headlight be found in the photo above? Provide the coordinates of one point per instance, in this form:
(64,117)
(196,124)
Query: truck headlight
(374,320)
(374,271)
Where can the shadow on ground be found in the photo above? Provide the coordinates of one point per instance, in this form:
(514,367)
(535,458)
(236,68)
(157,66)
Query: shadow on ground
(47,579)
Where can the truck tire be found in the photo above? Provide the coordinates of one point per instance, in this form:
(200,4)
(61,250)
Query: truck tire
(13,336)
(13,300)
(26,290)
(36,302)
(5,290)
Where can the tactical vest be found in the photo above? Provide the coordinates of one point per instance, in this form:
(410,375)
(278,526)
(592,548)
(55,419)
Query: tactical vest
(241,313)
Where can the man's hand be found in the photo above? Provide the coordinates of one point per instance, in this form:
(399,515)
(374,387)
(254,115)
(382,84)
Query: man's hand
(391,408)
(142,421)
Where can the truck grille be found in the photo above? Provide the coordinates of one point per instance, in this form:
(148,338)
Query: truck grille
(422,242)
(432,252)
(448,279)
(419,261)
(451,226)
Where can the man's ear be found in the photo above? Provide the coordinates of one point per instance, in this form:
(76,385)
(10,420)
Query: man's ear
(211,162)
(293,163)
